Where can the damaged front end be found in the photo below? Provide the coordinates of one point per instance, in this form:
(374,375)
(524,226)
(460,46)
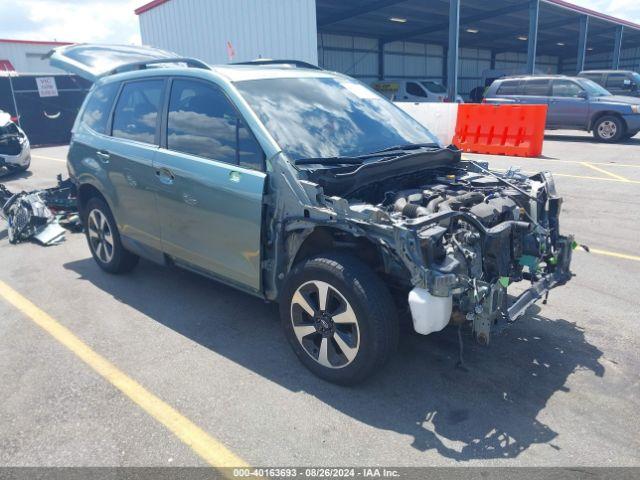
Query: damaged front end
(15,151)
(452,234)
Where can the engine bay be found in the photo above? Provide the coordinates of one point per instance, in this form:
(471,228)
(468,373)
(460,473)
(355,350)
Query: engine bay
(475,232)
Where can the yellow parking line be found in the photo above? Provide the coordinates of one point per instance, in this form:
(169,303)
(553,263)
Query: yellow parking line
(598,169)
(207,447)
(586,177)
(614,254)
(44,157)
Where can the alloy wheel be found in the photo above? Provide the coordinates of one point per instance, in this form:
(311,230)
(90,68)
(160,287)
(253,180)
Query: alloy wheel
(325,324)
(100,236)
(607,129)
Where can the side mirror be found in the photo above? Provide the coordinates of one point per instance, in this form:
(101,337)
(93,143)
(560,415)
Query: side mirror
(584,95)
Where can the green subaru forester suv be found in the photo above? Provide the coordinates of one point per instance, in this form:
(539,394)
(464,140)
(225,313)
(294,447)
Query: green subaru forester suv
(307,188)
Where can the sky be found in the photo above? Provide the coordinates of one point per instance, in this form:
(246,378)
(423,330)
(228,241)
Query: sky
(113,21)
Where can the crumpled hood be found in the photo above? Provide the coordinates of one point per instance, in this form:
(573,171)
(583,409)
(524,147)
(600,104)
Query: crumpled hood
(618,99)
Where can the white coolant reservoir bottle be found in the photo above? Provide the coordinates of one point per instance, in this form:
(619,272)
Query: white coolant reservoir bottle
(430,313)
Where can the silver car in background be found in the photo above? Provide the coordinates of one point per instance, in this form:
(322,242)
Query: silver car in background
(15,151)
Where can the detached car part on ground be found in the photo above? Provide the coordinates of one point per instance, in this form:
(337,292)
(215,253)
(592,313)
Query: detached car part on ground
(43,215)
(15,152)
(337,204)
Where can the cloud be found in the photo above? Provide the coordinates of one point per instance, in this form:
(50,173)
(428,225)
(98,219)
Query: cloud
(623,9)
(97,21)
(113,21)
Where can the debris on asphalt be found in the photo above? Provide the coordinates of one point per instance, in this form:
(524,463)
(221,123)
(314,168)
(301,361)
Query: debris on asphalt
(43,215)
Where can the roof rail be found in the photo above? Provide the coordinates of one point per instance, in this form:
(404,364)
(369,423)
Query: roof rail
(191,62)
(268,61)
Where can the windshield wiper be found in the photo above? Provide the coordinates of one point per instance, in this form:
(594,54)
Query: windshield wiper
(357,160)
(407,146)
(330,161)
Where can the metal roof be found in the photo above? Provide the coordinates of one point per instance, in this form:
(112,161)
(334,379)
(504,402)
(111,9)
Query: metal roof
(502,25)
(499,25)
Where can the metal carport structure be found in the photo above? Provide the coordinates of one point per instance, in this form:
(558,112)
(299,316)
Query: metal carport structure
(441,40)
(533,28)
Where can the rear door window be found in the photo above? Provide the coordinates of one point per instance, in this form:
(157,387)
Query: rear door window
(203,122)
(566,88)
(509,87)
(596,77)
(536,88)
(136,113)
(96,113)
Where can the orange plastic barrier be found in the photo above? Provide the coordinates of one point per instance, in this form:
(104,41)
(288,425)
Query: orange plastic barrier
(516,130)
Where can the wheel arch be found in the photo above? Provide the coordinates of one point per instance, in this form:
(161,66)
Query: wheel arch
(606,113)
(324,239)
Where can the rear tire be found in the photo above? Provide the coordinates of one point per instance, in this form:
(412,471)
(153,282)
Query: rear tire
(104,239)
(339,318)
(609,129)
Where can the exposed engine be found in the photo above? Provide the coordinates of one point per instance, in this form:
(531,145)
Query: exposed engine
(477,232)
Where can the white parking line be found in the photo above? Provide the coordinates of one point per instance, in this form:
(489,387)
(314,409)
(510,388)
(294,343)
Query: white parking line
(44,157)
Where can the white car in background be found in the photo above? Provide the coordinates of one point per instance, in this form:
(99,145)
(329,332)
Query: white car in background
(15,151)
(418,91)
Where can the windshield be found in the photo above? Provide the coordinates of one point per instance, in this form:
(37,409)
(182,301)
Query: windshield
(434,87)
(593,89)
(329,117)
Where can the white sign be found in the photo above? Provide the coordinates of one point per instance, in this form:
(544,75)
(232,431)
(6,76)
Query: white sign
(47,86)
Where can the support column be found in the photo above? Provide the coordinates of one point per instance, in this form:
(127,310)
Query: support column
(532,45)
(380,60)
(582,43)
(452,49)
(615,64)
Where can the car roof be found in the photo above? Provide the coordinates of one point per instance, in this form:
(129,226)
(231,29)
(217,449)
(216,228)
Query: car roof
(535,77)
(606,71)
(235,73)
(230,73)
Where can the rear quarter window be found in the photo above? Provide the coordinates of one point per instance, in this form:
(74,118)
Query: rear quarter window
(99,104)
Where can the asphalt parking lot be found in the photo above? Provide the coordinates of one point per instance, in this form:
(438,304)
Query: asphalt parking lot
(206,371)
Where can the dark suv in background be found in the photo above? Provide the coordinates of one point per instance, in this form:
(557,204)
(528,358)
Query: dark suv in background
(618,82)
(574,103)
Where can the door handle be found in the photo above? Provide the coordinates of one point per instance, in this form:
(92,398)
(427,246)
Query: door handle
(103,155)
(165,176)
(234,176)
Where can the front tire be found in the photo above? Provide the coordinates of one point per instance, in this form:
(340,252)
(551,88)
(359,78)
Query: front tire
(339,317)
(609,129)
(104,239)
